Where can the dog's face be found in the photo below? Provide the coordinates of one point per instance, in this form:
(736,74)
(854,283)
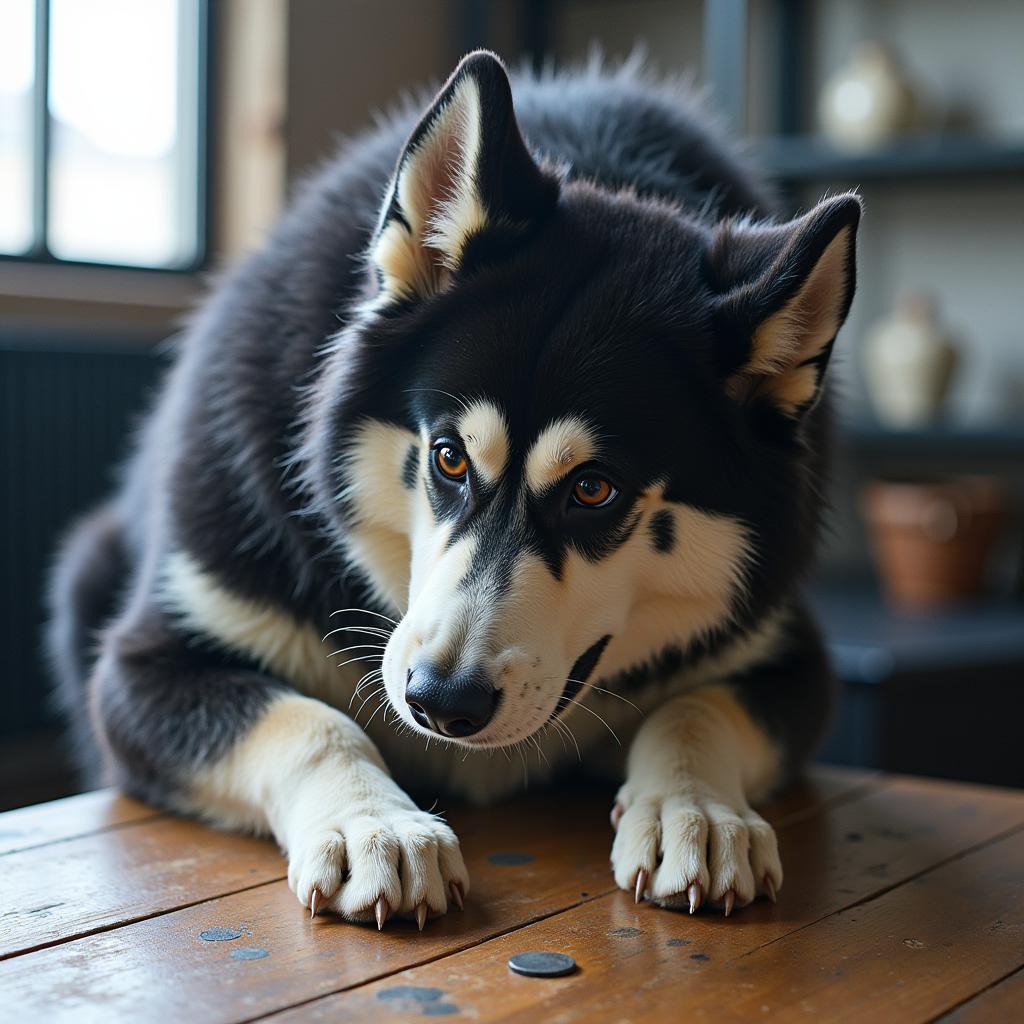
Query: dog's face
(569,430)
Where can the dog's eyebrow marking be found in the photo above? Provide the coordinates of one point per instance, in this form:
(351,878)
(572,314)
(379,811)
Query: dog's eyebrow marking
(560,446)
(484,430)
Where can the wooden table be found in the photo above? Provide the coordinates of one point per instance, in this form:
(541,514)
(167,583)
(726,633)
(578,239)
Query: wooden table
(904,901)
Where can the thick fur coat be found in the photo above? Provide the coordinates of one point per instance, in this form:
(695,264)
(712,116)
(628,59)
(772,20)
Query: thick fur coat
(521,408)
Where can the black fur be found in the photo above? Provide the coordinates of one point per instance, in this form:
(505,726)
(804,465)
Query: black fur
(663,531)
(629,307)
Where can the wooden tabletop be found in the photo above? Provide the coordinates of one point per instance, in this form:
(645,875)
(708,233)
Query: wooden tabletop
(903,901)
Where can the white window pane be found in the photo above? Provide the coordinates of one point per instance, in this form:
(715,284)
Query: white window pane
(17,46)
(122,150)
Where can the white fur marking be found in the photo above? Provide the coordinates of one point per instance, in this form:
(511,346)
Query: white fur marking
(484,429)
(559,446)
(270,636)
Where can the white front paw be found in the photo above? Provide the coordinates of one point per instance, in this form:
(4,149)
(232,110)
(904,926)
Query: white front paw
(373,860)
(687,845)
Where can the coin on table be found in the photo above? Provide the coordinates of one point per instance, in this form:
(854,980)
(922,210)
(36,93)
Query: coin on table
(541,964)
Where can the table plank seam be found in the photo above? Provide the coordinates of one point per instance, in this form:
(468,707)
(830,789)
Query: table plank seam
(998,837)
(949,1011)
(959,855)
(128,921)
(935,1019)
(453,951)
(837,799)
(115,827)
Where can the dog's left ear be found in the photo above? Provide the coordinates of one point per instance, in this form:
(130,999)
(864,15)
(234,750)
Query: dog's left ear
(464,176)
(783,293)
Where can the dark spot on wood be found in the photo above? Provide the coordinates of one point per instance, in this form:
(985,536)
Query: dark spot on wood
(853,837)
(677,942)
(220,934)
(414,993)
(427,1002)
(509,858)
(625,933)
(892,833)
(44,908)
(410,468)
(249,953)
(662,528)
(699,956)
(584,895)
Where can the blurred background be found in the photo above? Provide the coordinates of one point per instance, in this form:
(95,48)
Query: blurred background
(144,143)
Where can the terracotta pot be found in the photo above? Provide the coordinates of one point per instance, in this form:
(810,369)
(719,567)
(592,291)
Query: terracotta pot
(932,540)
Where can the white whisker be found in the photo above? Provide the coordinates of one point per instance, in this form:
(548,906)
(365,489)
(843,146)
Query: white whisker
(375,710)
(611,693)
(368,630)
(357,647)
(595,714)
(364,611)
(365,657)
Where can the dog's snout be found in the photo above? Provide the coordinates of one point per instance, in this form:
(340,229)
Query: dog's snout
(453,704)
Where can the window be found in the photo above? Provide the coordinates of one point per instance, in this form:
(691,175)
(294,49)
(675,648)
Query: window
(102,131)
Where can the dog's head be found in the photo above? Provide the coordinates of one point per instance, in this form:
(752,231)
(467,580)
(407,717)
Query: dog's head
(571,428)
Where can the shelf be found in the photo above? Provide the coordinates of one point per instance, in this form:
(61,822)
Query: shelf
(870,643)
(799,158)
(991,439)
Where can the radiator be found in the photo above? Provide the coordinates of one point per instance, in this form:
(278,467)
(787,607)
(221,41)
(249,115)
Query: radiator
(65,420)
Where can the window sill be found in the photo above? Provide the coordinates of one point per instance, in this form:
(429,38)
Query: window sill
(114,299)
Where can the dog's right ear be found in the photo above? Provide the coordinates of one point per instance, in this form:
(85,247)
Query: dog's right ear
(465,176)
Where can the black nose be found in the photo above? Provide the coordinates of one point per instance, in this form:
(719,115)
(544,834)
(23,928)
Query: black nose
(450,703)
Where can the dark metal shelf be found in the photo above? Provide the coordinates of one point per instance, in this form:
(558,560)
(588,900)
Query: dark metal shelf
(993,439)
(800,158)
(871,643)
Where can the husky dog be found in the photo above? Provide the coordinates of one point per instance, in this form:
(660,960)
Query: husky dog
(522,408)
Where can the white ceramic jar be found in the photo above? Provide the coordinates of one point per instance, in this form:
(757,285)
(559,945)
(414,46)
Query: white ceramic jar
(909,362)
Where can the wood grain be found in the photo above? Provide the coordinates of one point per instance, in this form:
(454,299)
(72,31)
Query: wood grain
(68,818)
(1003,1001)
(155,968)
(640,959)
(56,892)
(172,921)
(161,969)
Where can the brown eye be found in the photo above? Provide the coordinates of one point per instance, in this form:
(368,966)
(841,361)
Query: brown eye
(593,492)
(451,462)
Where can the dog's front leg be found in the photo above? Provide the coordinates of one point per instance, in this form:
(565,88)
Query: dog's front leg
(356,843)
(685,829)
(185,729)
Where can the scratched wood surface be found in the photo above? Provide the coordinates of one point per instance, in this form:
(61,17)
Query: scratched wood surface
(903,901)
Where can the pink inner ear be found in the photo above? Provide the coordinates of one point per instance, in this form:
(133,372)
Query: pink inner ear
(439,200)
(784,344)
(435,173)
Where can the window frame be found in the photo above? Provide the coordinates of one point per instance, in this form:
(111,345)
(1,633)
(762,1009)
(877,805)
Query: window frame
(39,254)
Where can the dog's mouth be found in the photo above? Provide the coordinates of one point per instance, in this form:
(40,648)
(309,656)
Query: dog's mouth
(580,673)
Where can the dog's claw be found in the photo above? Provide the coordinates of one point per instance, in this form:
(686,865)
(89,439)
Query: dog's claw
(314,902)
(457,898)
(421,915)
(641,885)
(381,911)
(730,900)
(617,812)
(693,894)
(769,887)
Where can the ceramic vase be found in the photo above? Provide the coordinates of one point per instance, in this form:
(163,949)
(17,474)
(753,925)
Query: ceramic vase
(909,362)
